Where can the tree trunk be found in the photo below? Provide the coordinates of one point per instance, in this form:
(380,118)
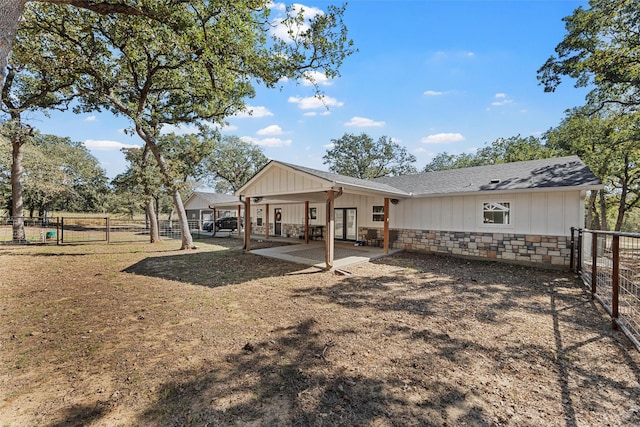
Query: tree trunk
(152,215)
(17,207)
(10,17)
(624,191)
(603,211)
(590,210)
(154,235)
(187,239)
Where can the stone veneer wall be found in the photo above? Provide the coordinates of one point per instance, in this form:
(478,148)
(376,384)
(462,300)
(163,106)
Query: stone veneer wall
(525,248)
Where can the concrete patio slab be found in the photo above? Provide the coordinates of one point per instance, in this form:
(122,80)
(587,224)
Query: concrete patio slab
(313,254)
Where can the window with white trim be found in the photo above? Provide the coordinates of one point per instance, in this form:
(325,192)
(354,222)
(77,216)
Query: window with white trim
(496,213)
(378,213)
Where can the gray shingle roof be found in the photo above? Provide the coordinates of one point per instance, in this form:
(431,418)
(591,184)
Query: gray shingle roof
(216,198)
(546,173)
(366,184)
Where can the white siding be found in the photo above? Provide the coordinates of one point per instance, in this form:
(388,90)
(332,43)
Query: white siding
(545,213)
(278,180)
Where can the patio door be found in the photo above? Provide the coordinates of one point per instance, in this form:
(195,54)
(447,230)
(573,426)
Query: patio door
(277,221)
(346,226)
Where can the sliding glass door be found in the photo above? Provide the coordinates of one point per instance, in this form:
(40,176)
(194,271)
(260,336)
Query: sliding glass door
(346,225)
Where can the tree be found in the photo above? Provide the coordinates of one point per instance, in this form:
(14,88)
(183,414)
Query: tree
(32,82)
(502,150)
(600,49)
(609,143)
(201,67)
(11,13)
(232,163)
(360,157)
(83,183)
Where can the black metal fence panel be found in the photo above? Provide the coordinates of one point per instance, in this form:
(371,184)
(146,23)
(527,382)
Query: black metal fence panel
(609,265)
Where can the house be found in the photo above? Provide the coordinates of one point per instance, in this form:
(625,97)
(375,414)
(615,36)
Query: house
(200,207)
(520,211)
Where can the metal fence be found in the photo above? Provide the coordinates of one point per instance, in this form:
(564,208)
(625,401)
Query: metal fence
(60,230)
(609,264)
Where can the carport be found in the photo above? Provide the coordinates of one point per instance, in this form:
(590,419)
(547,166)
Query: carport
(283,183)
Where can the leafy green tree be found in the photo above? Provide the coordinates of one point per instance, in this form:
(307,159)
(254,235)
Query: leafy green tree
(201,67)
(502,150)
(32,82)
(609,143)
(12,12)
(599,49)
(360,156)
(445,161)
(142,182)
(232,163)
(84,182)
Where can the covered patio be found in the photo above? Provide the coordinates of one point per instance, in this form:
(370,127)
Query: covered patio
(314,252)
(289,200)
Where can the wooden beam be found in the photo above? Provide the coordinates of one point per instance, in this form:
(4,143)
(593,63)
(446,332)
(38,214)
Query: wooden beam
(306,221)
(386,225)
(247,224)
(332,195)
(266,219)
(330,226)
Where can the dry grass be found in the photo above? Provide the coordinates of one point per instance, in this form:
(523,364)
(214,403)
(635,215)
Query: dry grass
(148,335)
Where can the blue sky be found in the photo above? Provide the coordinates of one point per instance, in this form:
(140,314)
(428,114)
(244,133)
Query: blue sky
(435,76)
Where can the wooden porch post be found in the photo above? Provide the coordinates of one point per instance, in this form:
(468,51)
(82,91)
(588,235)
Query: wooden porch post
(306,221)
(330,231)
(247,224)
(266,219)
(332,195)
(386,225)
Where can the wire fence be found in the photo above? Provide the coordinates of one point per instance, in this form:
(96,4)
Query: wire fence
(609,265)
(69,229)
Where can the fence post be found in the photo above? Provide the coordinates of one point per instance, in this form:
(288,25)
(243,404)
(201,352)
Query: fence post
(108,230)
(57,230)
(573,253)
(579,268)
(62,230)
(615,281)
(594,263)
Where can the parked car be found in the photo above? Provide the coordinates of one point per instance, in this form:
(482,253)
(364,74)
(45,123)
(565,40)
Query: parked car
(227,223)
(207,226)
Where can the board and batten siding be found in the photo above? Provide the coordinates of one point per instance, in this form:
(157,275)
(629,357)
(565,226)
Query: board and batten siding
(543,213)
(279,180)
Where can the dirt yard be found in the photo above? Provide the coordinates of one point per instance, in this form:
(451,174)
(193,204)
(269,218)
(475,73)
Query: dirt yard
(142,335)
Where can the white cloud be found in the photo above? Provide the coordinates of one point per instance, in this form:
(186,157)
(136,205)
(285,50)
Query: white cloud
(363,122)
(501,99)
(179,129)
(106,145)
(280,30)
(254,112)
(442,138)
(267,142)
(329,145)
(270,130)
(90,118)
(311,77)
(315,102)
(433,93)
(419,150)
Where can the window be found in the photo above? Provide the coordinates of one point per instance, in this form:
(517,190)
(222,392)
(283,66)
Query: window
(378,213)
(313,213)
(496,213)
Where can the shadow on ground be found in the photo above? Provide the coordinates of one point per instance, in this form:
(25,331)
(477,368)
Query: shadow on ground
(216,268)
